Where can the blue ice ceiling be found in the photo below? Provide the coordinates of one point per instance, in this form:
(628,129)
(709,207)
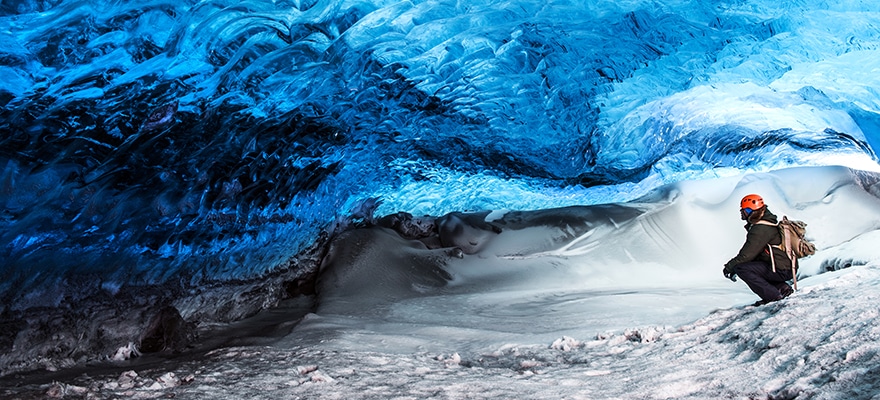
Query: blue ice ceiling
(153,141)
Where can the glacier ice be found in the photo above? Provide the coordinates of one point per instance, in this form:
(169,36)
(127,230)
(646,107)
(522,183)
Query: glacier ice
(196,143)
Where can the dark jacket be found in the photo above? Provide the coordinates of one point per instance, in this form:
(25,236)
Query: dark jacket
(755,248)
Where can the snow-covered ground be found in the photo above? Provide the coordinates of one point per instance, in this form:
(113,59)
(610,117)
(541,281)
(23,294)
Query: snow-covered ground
(821,343)
(604,302)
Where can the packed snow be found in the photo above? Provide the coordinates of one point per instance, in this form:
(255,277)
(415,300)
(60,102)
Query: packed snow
(821,343)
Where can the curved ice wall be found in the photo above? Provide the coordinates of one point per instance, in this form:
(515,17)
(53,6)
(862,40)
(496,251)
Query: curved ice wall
(194,141)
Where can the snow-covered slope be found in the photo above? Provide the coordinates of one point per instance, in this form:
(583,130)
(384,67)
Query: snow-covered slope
(821,343)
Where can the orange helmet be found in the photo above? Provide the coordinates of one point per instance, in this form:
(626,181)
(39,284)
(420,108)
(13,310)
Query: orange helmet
(751,201)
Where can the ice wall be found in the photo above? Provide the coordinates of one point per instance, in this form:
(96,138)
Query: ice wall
(195,142)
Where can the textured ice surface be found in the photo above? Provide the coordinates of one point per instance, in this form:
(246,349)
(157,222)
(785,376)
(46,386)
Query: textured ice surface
(201,142)
(184,152)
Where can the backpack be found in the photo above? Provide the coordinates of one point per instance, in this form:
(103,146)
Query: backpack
(794,245)
(793,242)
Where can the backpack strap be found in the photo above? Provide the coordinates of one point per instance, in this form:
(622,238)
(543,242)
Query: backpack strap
(772,259)
(785,240)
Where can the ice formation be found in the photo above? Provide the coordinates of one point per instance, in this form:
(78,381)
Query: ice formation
(202,155)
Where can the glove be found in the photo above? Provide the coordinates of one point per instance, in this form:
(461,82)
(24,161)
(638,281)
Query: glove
(729,274)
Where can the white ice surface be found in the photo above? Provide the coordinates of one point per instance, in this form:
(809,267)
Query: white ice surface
(821,343)
(637,309)
(538,283)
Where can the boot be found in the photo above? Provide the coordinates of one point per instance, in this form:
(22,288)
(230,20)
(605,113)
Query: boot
(785,291)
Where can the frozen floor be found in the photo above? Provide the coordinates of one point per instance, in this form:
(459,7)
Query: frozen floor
(821,343)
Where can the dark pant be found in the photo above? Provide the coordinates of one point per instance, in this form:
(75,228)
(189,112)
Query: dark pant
(762,280)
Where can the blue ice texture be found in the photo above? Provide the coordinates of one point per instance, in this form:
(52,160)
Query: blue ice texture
(206,141)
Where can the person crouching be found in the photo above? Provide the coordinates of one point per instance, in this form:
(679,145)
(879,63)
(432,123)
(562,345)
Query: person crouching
(752,264)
